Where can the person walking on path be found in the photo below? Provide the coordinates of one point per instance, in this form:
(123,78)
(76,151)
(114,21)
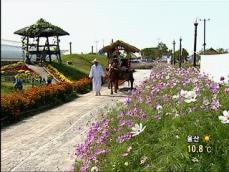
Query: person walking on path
(96,74)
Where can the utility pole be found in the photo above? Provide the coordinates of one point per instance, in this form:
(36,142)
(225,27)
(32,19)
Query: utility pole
(174,60)
(92,49)
(180,54)
(70,44)
(204,20)
(195,38)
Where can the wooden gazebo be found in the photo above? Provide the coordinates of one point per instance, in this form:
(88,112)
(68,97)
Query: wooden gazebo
(36,40)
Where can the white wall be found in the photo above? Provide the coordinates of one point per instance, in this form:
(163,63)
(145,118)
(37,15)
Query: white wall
(215,65)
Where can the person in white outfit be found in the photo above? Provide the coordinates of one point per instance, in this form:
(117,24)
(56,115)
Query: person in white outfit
(96,74)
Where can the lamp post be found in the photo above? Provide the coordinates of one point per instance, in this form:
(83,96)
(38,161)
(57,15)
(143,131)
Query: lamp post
(180,53)
(195,36)
(174,60)
(204,20)
(70,44)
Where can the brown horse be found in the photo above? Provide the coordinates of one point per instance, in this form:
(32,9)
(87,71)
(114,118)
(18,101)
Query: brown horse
(115,74)
(113,77)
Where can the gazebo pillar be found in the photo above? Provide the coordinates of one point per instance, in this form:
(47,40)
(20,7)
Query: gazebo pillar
(58,47)
(27,50)
(38,52)
(49,53)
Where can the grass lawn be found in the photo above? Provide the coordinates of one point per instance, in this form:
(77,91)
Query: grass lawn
(80,66)
(8,87)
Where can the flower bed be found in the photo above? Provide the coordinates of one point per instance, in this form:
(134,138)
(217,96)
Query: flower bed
(14,104)
(59,76)
(156,126)
(83,85)
(19,70)
(15,68)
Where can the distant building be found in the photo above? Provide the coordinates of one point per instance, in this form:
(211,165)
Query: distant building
(209,51)
(11,51)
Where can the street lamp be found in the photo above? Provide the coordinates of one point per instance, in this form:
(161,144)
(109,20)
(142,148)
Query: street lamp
(204,20)
(195,37)
(70,44)
(174,60)
(180,54)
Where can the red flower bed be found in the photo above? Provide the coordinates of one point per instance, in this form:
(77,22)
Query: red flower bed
(23,67)
(82,84)
(14,104)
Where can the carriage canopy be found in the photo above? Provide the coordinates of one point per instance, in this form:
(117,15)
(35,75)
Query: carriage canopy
(119,45)
(113,53)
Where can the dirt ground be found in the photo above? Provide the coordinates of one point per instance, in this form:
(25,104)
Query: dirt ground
(46,141)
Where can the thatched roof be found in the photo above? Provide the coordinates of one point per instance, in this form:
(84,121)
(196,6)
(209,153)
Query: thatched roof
(41,28)
(127,47)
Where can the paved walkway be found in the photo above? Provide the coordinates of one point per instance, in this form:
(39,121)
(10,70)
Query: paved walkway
(46,141)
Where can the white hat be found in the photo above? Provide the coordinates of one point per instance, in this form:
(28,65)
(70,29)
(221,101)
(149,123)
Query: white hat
(95,60)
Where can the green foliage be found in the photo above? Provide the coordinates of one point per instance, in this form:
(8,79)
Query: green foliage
(6,87)
(222,50)
(185,54)
(40,28)
(156,52)
(81,64)
(150,52)
(163,49)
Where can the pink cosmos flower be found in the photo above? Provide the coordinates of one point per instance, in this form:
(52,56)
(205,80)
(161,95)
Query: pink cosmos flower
(149,99)
(127,101)
(222,78)
(215,104)
(100,151)
(124,137)
(214,87)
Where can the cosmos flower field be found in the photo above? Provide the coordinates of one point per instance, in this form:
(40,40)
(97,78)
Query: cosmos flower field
(149,130)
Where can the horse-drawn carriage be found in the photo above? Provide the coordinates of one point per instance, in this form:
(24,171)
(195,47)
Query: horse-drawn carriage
(119,54)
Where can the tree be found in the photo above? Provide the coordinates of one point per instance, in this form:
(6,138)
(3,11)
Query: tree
(184,55)
(222,51)
(163,49)
(150,52)
(155,52)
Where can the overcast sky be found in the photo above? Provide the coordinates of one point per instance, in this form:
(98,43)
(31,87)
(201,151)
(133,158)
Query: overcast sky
(139,22)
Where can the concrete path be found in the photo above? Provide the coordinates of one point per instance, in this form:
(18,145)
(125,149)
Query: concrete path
(46,141)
